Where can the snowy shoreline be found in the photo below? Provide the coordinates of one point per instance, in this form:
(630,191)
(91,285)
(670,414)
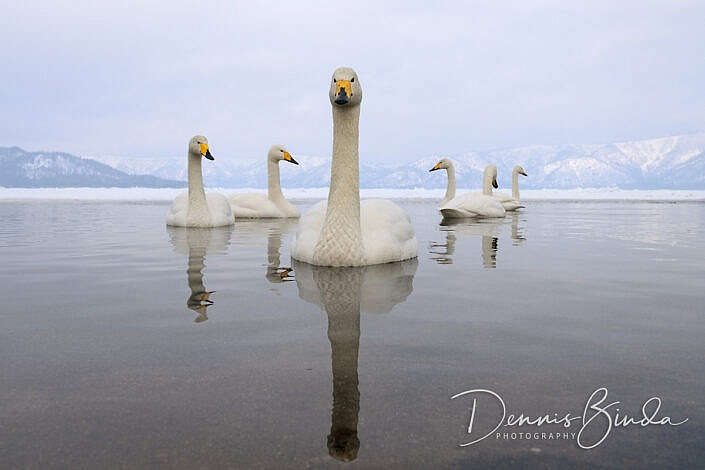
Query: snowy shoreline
(167,194)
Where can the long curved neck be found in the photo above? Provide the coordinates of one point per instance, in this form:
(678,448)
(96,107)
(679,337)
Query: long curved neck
(450,190)
(274,188)
(487,183)
(515,184)
(345,167)
(196,194)
(340,241)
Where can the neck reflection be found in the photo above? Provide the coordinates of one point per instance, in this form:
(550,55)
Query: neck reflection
(196,243)
(487,230)
(344,293)
(275,230)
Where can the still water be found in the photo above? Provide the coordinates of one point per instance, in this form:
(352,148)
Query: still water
(127,344)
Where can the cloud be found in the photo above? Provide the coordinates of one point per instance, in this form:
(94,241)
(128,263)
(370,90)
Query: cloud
(139,78)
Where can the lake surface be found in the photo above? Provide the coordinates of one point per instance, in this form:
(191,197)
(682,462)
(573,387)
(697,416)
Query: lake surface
(125,344)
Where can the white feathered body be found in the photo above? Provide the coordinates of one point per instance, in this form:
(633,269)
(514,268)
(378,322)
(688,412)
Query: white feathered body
(218,213)
(472,205)
(508,202)
(386,232)
(258,205)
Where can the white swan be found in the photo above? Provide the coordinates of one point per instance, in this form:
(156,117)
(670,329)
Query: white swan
(471,204)
(273,204)
(512,203)
(195,208)
(342,231)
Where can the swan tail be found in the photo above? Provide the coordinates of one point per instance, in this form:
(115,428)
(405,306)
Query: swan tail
(451,213)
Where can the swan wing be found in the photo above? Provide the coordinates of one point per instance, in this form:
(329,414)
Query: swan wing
(387,233)
(179,210)
(258,205)
(473,205)
(219,210)
(308,232)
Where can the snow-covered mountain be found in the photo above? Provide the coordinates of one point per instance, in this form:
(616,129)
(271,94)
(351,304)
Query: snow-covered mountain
(665,163)
(56,169)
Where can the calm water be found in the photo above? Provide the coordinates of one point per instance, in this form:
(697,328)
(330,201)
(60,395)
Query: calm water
(124,344)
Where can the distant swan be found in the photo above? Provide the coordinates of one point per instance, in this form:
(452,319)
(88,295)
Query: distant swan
(195,208)
(471,204)
(512,203)
(272,205)
(342,231)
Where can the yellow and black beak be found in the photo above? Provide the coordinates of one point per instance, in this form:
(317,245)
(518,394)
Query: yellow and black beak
(494,183)
(289,158)
(436,167)
(523,173)
(343,92)
(205,151)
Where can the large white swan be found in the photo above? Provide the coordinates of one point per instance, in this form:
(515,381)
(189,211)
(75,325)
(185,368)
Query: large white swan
(273,204)
(342,231)
(470,204)
(512,203)
(195,208)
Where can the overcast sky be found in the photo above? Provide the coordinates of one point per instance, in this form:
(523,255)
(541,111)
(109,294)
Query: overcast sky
(140,78)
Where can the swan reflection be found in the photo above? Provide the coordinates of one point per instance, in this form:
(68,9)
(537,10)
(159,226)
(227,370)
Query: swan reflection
(343,293)
(488,230)
(196,243)
(251,232)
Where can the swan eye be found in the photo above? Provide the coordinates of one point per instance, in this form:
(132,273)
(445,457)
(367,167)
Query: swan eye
(281,150)
(352,79)
(335,81)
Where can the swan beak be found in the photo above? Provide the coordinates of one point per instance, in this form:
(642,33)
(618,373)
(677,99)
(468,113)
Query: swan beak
(344,93)
(437,167)
(205,151)
(289,158)
(494,183)
(523,173)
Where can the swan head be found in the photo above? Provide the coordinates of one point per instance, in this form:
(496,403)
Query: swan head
(491,172)
(520,170)
(443,164)
(345,89)
(277,152)
(198,145)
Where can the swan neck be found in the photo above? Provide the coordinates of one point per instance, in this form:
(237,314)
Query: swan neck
(274,189)
(196,193)
(450,190)
(487,183)
(340,240)
(345,166)
(515,184)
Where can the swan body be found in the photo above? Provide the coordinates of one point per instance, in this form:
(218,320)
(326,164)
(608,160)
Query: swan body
(270,205)
(342,231)
(470,204)
(513,202)
(195,208)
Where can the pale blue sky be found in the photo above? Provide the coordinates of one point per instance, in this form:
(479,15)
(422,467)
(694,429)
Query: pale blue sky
(125,78)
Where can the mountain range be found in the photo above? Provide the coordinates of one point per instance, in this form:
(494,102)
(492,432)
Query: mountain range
(21,169)
(676,162)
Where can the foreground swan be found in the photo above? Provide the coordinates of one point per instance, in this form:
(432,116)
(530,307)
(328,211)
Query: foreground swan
(342,231)
(195,208)
(471,204)
(272,205)
(512,203)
